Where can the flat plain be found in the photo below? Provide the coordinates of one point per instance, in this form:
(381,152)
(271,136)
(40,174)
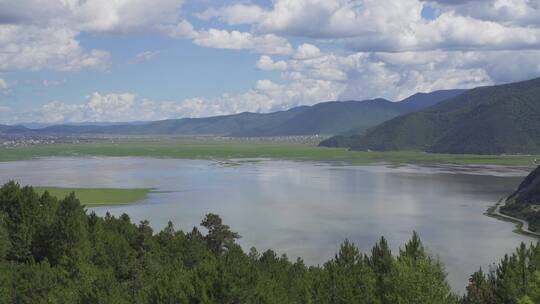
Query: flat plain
(232,149)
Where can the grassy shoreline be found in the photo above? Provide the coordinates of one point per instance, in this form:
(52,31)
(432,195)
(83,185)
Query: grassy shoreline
(238,149)
(99,197)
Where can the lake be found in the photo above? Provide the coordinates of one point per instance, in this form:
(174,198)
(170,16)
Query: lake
(306,208)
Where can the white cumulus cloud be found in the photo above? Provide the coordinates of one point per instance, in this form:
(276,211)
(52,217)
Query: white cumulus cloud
(266,63)
(91,15)
(42,34)
(96,108)
(348,49)
(398,25)
(32,48)
(236,40)
(234,14)
(307,51)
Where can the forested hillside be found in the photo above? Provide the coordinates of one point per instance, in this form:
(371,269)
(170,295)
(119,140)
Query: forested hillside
(51,251)
(487,120)
(338,117)
(524,203)
(333,118)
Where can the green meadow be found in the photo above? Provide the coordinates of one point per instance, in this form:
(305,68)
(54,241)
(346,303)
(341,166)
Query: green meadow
(221,149)
(95,197)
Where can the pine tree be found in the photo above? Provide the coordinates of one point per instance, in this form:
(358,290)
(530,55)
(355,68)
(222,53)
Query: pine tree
(382,262)
(69,244)
(349,278)
(414,249)
(219,237)
(479,289)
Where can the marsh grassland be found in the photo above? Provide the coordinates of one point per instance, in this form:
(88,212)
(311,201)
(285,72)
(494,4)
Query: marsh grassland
(96,197)
(227,149)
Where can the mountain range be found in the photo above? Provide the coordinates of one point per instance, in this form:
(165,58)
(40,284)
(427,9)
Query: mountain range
(333,117)
(486,120)
(5,129)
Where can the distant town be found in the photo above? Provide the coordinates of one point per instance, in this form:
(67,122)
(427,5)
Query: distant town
(26,140)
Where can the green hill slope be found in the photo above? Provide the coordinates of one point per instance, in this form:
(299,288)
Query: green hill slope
(356,117)
(487,120)
(413,103)
(333,118)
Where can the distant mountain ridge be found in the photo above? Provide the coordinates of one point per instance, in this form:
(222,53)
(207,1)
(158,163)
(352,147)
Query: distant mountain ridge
(487,120)
(334,117)
(36,125)
(5,129)
(223,125)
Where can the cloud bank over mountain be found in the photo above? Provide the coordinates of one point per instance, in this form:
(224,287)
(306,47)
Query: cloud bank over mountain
(306,51)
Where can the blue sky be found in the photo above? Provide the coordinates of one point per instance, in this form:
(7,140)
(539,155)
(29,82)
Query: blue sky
(125,60)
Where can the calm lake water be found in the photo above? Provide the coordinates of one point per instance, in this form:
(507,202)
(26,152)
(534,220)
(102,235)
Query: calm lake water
(307,209)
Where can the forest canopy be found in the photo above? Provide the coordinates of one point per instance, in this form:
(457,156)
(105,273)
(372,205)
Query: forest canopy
(52,250)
